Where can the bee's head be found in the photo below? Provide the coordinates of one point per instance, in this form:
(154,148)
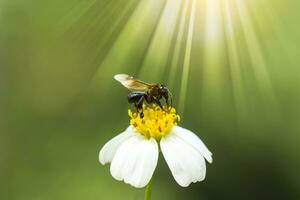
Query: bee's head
(163,89)
(165,92)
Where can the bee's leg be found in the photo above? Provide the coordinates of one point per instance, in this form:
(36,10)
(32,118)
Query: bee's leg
(135,97)
(142,115)
(140,106)
(148,98)
(140,102)
(158,102)
(136,107)
(168,101)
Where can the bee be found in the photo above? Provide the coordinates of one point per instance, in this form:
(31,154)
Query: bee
(142,91)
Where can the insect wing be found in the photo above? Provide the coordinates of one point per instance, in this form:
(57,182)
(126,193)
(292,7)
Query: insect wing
(131,83)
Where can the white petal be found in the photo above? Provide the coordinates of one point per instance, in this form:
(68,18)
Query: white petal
(135,161)
(109,149)
(185,162)
(192,139)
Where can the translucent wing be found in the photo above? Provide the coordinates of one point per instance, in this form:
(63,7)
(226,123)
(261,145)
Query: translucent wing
(131,83)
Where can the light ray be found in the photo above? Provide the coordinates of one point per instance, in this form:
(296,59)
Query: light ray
(74,14)
(277,28)
(212,23)
(234,61)
(128,50)
(213,64)
(178,44)
(159,49)
(187,58)
(255,53)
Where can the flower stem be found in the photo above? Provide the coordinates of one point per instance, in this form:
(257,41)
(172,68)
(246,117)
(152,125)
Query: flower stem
(148,190)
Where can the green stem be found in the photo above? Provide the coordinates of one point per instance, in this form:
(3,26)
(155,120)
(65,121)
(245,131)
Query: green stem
(148,190)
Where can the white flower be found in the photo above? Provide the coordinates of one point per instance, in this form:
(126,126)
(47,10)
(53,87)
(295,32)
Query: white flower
(133,154)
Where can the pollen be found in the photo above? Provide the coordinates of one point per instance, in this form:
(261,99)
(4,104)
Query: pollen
(154,122)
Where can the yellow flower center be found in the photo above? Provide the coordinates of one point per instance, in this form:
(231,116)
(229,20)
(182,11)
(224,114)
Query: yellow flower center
(154,122)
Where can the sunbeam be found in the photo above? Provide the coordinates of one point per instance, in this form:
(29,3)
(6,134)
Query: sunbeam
(74,14)
(257,58)
(160,35)
(156,58)
(127,52)
(187,58)
(234,61)
(178,43)
(213,57)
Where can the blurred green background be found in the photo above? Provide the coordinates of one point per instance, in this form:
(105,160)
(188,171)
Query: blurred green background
(232,65)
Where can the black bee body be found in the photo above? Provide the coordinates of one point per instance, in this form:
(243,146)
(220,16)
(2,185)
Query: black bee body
(153,95)
(142,91)
(138,98)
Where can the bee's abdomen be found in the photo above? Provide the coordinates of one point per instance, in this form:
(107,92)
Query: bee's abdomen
(135,96)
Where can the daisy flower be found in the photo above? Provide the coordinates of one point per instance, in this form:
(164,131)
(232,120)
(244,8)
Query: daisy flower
(133,154)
